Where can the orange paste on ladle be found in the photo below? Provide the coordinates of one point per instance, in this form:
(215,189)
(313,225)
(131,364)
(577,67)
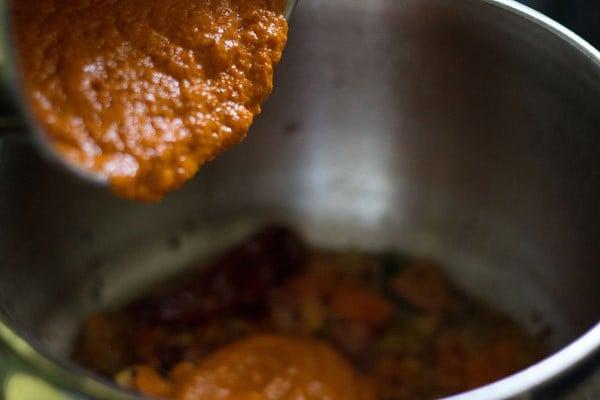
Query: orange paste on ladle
(145,92)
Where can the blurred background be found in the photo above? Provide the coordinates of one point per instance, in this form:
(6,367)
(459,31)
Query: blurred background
(581,16)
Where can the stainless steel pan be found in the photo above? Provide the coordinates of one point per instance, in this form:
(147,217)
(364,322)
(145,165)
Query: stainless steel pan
(464,130)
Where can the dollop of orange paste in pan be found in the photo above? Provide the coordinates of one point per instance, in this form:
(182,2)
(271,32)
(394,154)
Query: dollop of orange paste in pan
(262,367)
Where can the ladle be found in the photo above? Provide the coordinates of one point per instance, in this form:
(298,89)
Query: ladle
(15,115)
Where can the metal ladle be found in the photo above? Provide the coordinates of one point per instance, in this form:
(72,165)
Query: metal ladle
(15,115)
